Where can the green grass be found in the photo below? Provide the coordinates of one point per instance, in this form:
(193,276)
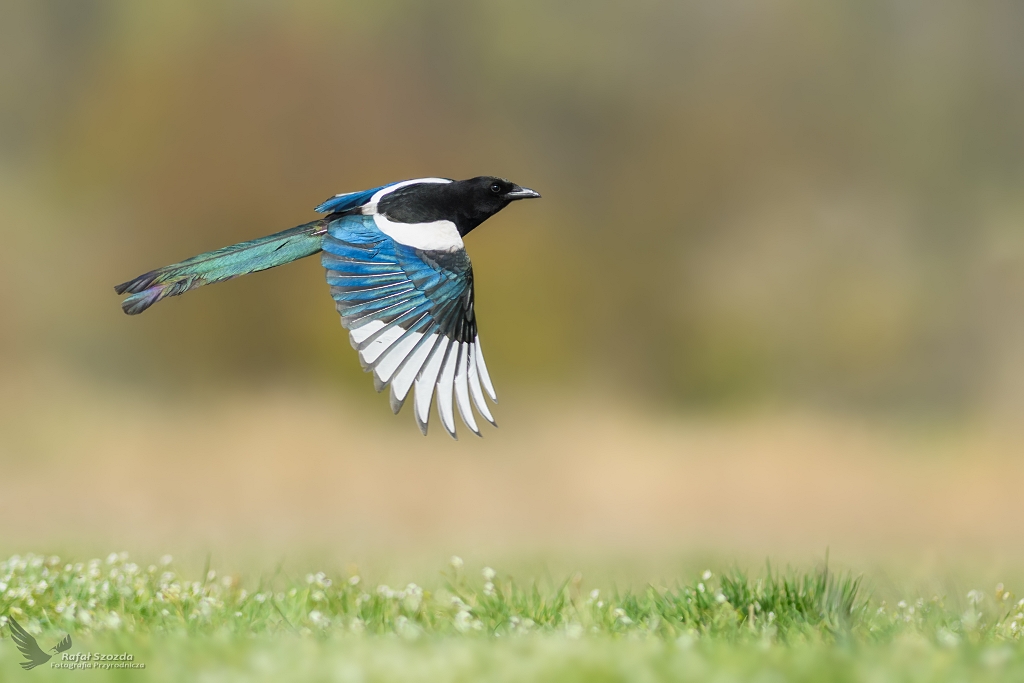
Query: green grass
(488,626)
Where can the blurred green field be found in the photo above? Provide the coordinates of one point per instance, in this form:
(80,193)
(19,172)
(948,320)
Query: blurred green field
(539,658)
(463,625)
(253,487)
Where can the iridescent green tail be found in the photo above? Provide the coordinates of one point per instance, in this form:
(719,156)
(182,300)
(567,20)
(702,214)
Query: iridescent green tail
(223,264)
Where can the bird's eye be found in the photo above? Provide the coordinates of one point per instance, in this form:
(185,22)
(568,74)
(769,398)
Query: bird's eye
(496,188)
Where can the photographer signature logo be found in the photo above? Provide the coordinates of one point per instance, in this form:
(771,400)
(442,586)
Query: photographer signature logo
(28,646)
(34,655)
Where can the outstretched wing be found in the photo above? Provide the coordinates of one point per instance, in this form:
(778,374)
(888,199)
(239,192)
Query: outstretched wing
(410,315)
(64,644)
(28,646)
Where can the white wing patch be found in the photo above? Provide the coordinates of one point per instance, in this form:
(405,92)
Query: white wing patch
(360,334)
(474,385)
(482,367)
(406,375)
(435,236)
(445,386)
(403,359)
(373,350)
(397,352)
(425,383)
(462,388)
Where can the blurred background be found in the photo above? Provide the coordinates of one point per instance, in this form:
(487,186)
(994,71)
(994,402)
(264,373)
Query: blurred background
(770,302)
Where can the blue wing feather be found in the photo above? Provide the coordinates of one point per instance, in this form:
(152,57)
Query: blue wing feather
(348,200)
(401,303)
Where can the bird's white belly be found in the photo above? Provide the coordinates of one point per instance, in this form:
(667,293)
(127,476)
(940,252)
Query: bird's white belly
(435,236)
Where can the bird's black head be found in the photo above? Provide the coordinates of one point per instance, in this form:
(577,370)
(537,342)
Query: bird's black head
(467,203)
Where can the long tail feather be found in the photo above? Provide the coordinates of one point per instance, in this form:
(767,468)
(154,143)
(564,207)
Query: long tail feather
(222,264)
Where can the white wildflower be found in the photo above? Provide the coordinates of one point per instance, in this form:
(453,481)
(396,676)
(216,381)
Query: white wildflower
(706,575)
(489,589)
(489,574)
(166,560)
(975,596)
(456,562)
(463,621)
(594,594)
(406,628)
(413,597)
(353,580)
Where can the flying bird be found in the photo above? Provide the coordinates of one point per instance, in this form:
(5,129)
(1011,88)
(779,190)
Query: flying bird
(400,278)
(30,648)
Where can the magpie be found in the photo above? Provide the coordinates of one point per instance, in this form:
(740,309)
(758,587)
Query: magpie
(400,278)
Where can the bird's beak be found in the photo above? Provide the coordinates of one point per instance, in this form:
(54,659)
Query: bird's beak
(522,193)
